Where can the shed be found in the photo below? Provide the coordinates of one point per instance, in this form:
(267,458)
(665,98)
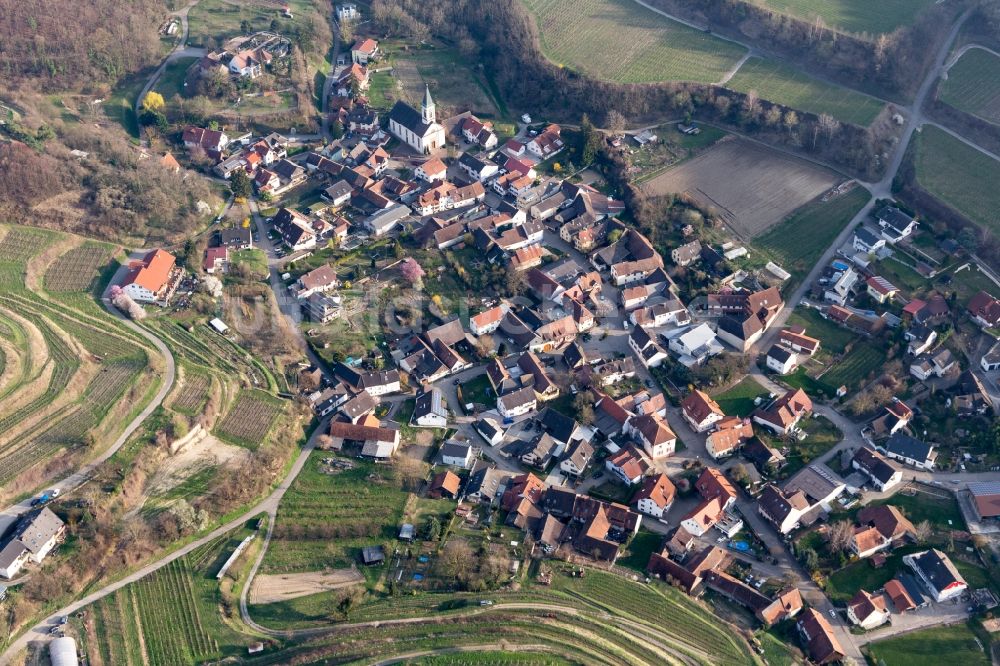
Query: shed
(219,326)
(62,652)
(406,532)
(372,555)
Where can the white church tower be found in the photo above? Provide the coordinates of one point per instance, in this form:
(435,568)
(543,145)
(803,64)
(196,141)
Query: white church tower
(428,112)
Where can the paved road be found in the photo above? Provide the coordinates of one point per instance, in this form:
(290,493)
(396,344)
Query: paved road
(81,476)
(269,506)
(182,50)
(328,81)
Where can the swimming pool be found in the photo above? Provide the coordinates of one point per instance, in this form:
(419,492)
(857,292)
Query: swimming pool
(741,546)
(839,265)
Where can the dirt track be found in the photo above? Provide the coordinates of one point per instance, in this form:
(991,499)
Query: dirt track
(269,588)
(750,186)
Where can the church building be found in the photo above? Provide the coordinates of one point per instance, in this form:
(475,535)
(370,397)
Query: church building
(417,129)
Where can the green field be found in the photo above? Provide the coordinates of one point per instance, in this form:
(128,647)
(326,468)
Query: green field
(858,16)
(959,175)
(852,370)
(973,85)
(797,243)
(325,519)
(929,646)
(171,82)
(619,40)
(738,399)
(778,83)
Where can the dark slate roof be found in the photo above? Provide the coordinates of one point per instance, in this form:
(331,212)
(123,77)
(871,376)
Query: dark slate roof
(408,117)
(780,354)
(558,425)
(866,236)
(908,447)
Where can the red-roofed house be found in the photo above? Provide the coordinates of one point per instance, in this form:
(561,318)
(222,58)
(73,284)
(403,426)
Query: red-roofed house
(148,280)
(881,289)
(363,51)
(785,413)
(488,321)
(701,411)
(216,259)
(655,496)
(985,310)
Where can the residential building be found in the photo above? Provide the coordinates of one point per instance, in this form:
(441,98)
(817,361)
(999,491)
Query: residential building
(444,485)
(377,442)
(547,143)
(895,224)
(991,359)
(488,321)
(687,253)
(729,435)
(364,50)
(910,451)
(578,457)
(781,360)
(517,403)
(985,310)
(35,535)
(795,338)
(820,642)
(652,431)
(627,465)
(785,511)
(655,496)
(694,345)
(866,541)
(150,280)
(318,280)
(430,410)
(295,229)
(889,522)
(938,574)
(867,611)
(457,454)
(881,289)
(650,354)
(784,414)
(867,241)
(701,411)
(883,474)
(431,170)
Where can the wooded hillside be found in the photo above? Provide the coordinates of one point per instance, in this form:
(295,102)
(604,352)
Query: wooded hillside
(58,45)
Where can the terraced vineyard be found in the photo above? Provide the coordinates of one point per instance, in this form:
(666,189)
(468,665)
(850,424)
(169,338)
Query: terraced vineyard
(78,269)
(250,419)
(169,618)
(75,365)
(193,393)
(856,16)
(619,40)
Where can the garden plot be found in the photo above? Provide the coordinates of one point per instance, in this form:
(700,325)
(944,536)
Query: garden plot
(751,187)
(269,588)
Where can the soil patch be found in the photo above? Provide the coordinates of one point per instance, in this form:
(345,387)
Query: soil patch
(270,588)
(749,186)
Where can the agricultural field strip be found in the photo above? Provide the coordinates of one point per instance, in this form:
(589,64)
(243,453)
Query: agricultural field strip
(17,337)
(622,41)
(973,84)
(251,417)
(79,266)
(859,17)
(193,393)
(782,84)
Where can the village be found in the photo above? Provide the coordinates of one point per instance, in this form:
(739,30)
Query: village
(817,459)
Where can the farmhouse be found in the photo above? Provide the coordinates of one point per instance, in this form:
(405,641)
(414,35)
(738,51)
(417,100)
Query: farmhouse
(364,50)
(151,279)
(34,536)
(656,437)
(417,129)
(376,442)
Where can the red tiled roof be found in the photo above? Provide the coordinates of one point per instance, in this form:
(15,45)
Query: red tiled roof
(153,271)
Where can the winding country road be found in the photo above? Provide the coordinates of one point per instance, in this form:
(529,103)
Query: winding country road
(182,50)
